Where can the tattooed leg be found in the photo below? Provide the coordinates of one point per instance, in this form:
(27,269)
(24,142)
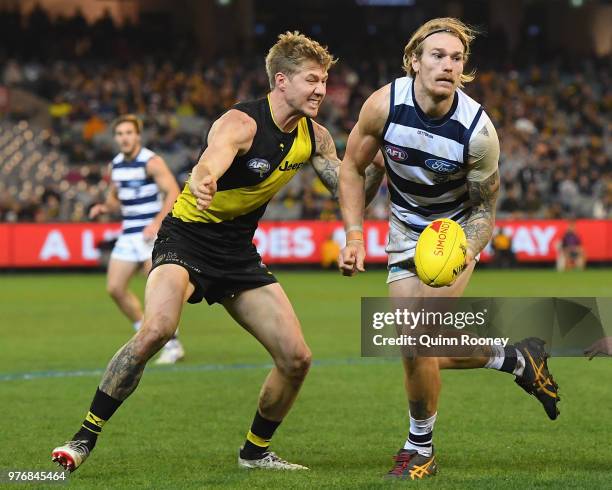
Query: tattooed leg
(167,288)
(127,365)
(422,382)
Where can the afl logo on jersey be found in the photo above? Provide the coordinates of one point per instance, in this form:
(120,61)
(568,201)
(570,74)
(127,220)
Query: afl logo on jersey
(396,154)
(259,166)
(441,166)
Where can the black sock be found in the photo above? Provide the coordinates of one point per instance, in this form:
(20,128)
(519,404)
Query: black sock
(102,408)
(510,359)
(258,438)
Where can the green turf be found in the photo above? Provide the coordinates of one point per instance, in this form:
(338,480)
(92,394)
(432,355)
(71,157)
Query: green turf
(181,429)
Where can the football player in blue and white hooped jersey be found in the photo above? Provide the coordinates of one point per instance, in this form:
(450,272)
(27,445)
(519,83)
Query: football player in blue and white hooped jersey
(441,155)
(144,190)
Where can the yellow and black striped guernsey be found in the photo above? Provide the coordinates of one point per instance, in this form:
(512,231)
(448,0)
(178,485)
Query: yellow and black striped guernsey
(252,179)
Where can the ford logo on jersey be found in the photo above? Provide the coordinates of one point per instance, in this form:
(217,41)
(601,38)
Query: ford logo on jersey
(259,166)
(396,154)
(441,166)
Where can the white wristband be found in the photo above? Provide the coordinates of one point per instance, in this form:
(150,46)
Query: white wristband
(354,228)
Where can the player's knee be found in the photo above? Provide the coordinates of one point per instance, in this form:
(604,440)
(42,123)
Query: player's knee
(116,291)
(296,365)
(156,332)
(416,363)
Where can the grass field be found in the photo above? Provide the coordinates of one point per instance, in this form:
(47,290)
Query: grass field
(183,426)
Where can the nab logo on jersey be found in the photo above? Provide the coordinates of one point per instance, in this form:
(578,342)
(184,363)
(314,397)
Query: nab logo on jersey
(259,166)
(396,154)
(441,166)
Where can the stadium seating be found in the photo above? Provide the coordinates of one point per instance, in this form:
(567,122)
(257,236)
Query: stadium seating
(551,121)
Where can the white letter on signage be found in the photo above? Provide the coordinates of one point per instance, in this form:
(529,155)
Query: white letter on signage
(375,249)
(522,242)
(54,246)
(339,237)
(261,241)
(302,242)
(543,238)
(279,242)
(90,252)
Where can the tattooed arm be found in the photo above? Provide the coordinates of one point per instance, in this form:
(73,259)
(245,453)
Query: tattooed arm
(326,164)
(483,188)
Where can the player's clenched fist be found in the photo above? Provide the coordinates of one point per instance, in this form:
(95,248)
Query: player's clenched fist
(204,191)
(351,258)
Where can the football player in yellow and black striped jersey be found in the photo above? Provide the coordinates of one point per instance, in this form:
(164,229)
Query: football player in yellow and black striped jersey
(204,248)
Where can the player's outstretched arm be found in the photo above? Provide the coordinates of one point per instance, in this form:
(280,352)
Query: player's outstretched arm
(326,164)
(602,346)
(157,168)
(230,135)
(110,204)
(362,148)
(483,188)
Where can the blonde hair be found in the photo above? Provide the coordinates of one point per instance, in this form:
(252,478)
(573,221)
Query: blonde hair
(291,50)
(455,27)
(131,118)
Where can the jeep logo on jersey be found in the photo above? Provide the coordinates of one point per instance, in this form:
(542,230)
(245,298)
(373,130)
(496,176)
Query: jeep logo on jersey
(259,166)
(396,154)
(286,166)
(441,166)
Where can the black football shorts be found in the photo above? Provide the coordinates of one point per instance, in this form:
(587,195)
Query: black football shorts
(218,264)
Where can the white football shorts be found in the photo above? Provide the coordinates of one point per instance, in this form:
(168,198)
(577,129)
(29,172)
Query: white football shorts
(132,247)
(401,249)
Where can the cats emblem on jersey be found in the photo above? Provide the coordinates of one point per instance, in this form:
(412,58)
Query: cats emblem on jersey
(259,166)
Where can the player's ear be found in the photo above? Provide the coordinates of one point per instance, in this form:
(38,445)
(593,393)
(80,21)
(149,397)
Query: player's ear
(280,81)
(415,62)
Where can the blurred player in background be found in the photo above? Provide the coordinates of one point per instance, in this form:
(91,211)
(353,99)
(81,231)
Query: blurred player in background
(570,253)
(503,255)
(441,154)
(139,178)
(205,248)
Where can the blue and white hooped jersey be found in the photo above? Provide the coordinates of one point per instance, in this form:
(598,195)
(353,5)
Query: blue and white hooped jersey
(426,160)
(140,197)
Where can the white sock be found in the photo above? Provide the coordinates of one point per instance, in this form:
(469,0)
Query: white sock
(137,325)
(497,357)
(421,435)
(520,364)
(496,361)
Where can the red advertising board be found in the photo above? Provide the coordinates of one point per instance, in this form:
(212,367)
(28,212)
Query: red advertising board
(293,242)
(54,245)
(5,258)
(537,240)
(532,241)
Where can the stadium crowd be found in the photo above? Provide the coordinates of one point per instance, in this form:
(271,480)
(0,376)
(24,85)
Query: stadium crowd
(554,123)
